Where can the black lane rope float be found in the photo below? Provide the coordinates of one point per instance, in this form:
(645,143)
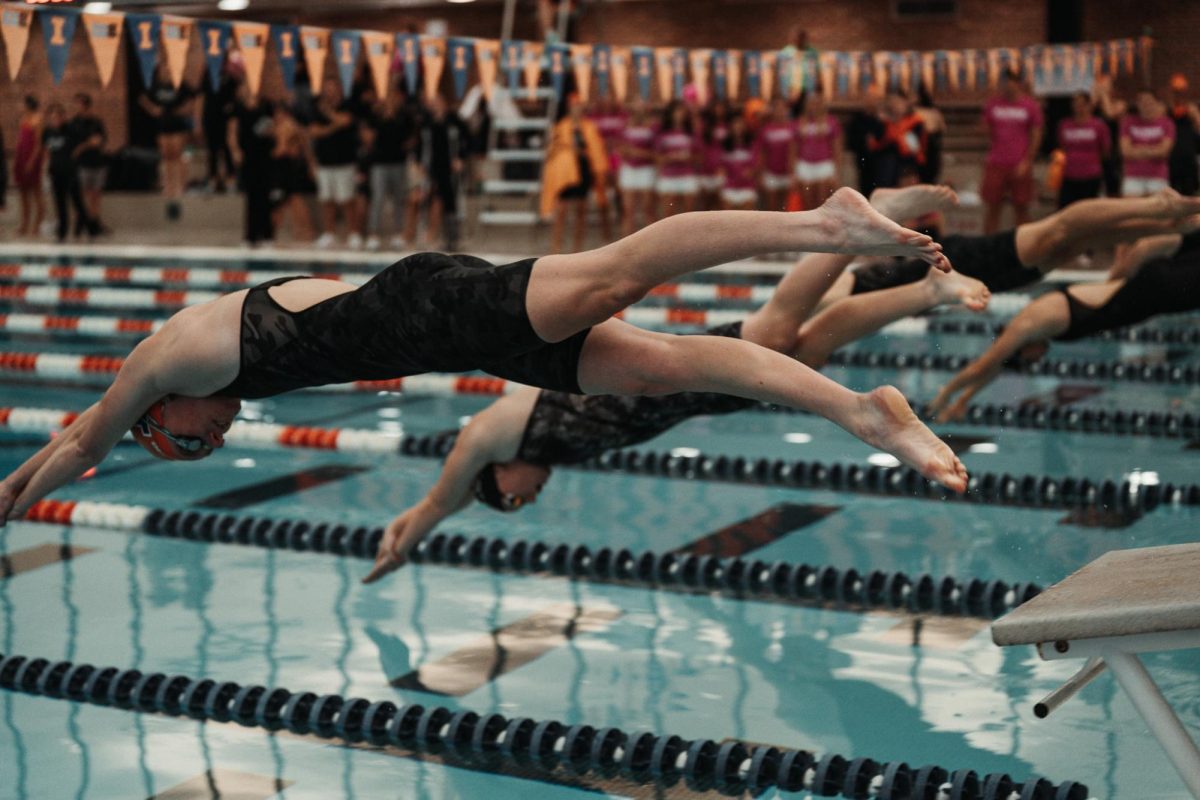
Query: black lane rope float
(1146,334)
(778,581)
(1087,369)
(484,740)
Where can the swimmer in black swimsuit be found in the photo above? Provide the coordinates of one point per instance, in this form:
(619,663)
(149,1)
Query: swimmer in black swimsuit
(504,455)
(547,321)
(1164,278)
(1016,258)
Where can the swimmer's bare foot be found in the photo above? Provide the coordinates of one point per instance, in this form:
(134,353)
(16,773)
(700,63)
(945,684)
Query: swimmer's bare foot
(947,288)
(911,202)
(860,229)
(1174,204)
(889,424)
(1189,224)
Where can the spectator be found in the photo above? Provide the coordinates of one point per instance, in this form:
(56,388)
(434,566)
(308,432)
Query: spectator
(219,106)
(738,167)
(675,150)
(713,124)
(363,104)
(1014,122)
(1147,137)
(900,149)
(442,155)
(292,171)
(172,110)
(576,164)
(251,135)
(28,162)
(866,125)
(637,173)
(1185,176)
(89,136)
(935,130)
(1084,141)
(64,179)
(775,148)
(610,120)
(1111,110)
(335,144)
(393,133)
(818,150)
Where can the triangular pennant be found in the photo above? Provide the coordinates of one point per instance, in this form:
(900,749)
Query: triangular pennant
(58,29)
(14,26)
(378,47)
(785,65)
(433,59)
(700,60)
(581,63)
(531,66)
(104,32)
(346,45)
(558,54)
(620,72)
(176,39)
(316,51)
(643,70)
(144,31)
(733,66)
(768,75)
(602,67)
(461,52)
(214,40)
(828,74)
(408,50)
(720,73)
(510,62)
(664,71)
(678,70)
(286,39)
(754,67)
(487,56)
(250,38)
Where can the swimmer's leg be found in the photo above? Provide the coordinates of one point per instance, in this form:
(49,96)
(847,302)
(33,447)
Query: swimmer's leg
(569,293)
(620,359)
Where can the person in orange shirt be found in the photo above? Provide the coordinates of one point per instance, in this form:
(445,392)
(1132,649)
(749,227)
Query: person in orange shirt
(576,164)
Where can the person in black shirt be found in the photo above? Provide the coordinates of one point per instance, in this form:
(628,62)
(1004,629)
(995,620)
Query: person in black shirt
(60,149)
(393,135)
(864,126)
(89,136)
(251,141)
(218,110)
(335,145)
(172,108)
(443,150)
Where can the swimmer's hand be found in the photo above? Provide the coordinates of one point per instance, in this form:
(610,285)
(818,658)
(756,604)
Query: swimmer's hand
(972,379)
(8,498)
(393,548)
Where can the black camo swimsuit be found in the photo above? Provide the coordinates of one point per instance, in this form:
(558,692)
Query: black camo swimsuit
(567,428)
(428,312)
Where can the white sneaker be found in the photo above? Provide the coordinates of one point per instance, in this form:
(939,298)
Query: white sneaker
(354,242)
(398,243)
(325,241)
(373,243)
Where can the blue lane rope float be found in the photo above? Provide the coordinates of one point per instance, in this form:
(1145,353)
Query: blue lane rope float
(481,741)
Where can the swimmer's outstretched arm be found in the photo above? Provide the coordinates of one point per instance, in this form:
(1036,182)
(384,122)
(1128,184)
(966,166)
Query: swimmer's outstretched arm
(492,436)
(1130,261)
(1041,320)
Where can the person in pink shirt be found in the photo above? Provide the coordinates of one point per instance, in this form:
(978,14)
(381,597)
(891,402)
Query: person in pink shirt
(775,149)
(1084,140)
(637,173)
(1014,122)
(737,164)
(1147,137)
(677,152)
(818,150)
(713,124)
(610,120)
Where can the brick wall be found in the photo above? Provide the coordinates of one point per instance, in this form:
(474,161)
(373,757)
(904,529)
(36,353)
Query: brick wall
(1172,23)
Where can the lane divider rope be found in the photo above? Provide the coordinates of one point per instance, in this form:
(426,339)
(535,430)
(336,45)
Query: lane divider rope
(779,581)
(480,740)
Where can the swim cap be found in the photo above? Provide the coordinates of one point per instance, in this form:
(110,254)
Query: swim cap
(487,491)
(153,436)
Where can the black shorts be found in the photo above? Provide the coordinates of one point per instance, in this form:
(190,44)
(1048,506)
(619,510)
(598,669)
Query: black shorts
(173,123)
(1072,191)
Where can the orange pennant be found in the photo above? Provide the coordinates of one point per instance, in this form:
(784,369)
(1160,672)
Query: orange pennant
(433,60)
(581,62)
(378,47)
(620,72)
(532,67)
(700,60)
(828,64)
(104,32)
(733,74)
(316,51)
(767,76)
(662,67)
(487,59)
(14,26)
(176,39)
(251,39)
